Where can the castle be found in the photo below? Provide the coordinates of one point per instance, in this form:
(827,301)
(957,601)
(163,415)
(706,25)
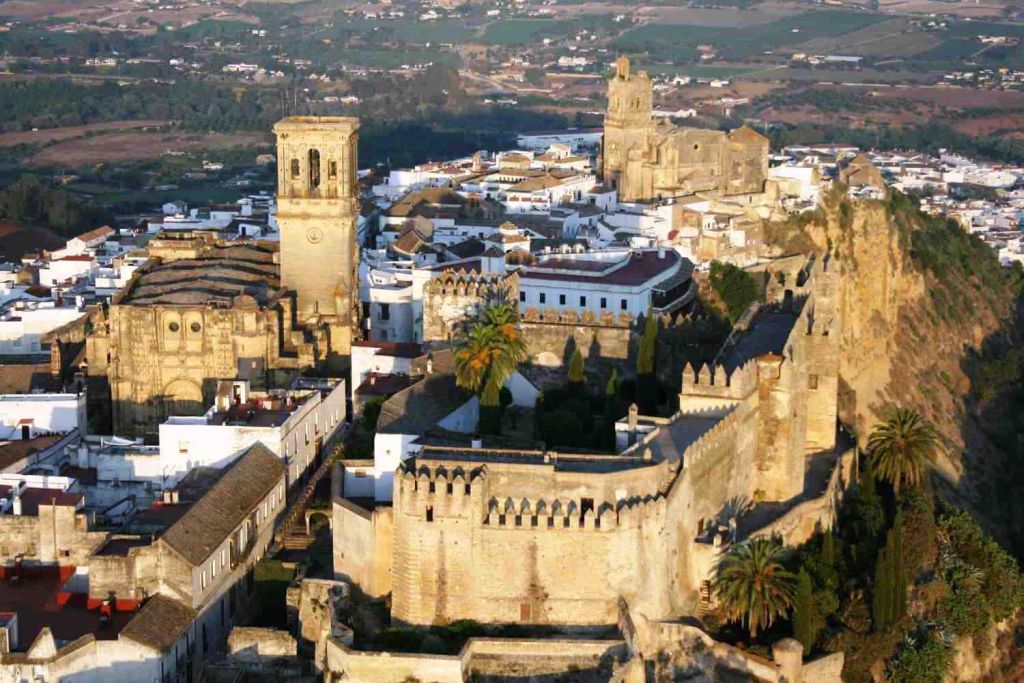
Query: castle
(538,537)
(646,159)
(202,311)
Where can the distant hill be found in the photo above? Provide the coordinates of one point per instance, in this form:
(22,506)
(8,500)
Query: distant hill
(16,240)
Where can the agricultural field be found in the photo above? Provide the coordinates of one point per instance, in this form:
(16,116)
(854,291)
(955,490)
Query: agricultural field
(137,145)
(675,41)
(51,135)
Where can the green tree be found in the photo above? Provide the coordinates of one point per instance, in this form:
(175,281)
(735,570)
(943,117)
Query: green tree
(752,585)
(647,381)
(735,287)
(576,374)
(902,447)
(804,616)
(889,592)
(612,411)
(487,356)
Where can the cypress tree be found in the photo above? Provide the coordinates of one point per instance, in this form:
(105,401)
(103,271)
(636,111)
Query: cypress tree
(882,593)
(828,548)
(804,619)
(898,575)
(576,374)
(647,384)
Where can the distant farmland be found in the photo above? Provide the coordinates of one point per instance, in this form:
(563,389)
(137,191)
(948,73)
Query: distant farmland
(678,41)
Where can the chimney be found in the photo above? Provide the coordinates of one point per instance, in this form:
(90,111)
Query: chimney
(633,412)
(661,252)
(430,365)
(477,442)
(16,504)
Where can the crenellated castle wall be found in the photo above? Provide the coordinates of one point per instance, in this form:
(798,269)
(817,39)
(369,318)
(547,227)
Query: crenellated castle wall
(541,537)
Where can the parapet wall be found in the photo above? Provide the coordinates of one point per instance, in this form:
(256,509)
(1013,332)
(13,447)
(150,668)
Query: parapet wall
(478,657)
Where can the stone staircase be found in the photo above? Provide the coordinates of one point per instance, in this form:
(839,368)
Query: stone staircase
(291,531)
(706,600)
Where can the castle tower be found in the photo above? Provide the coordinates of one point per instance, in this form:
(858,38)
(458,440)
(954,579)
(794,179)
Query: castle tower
(627,124)
(317,210)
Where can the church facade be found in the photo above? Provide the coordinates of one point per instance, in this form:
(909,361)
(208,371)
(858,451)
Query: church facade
(644,159)
(259,311)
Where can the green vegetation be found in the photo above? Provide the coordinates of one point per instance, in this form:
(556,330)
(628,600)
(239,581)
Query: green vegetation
(673,42)
(752,585)
(28,202)
(889,591)
(647,382)
(902,448)
(487,356)
(271,579)
(736,288)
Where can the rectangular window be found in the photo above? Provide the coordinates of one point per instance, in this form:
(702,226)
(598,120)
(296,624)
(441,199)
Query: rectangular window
(430,513)
(543,297)
(624,305)
(583,301)
(183,448)
(604,302)
(202,579)
(385,311)
(812,381)
(561,299)
(522,297)
(213,569)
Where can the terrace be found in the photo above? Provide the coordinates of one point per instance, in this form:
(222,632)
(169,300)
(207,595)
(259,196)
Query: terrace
(38,600)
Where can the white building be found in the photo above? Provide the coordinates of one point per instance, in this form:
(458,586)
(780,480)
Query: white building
(24,323)
(615,281)
(295,425)
(25,416)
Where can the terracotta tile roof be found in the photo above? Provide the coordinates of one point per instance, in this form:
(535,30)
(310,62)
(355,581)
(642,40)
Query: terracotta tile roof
(14,451)
(396,349)
(225,505)
(103,231)
(159,624)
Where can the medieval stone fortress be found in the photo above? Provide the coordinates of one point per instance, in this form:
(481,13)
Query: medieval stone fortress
(175,436)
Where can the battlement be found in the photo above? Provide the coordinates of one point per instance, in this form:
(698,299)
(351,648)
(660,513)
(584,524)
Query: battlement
(467,283)
(560,514)
(553,316)
(714,380)
(710,441)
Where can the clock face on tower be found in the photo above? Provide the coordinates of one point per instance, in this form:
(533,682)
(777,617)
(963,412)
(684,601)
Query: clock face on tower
(314,235)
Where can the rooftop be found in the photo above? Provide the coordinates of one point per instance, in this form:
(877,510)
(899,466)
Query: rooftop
(36,599)
(216,515)
(13,451)
(217,276)
(159,623)
(634,268)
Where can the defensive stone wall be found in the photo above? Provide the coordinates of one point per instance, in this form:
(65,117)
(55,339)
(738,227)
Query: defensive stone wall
(451,297)
(479,656)
(552,336)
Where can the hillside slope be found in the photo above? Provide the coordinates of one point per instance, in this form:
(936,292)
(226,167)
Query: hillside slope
(930,321)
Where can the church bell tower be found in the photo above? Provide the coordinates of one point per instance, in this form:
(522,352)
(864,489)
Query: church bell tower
(317,210)
(627,125)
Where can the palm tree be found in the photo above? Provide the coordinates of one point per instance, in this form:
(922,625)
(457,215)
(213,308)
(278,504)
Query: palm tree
(489,352)
(751,584)
(902,447)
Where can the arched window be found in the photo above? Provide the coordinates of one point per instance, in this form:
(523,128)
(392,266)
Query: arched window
(314,168)
(295,168)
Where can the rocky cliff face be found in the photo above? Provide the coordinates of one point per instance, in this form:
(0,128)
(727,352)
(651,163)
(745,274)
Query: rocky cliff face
(921,302)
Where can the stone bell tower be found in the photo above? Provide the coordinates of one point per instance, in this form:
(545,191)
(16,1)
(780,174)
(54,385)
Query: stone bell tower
(317,210)
(628,123)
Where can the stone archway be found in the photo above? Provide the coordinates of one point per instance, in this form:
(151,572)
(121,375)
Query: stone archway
(182,397)
(309,514)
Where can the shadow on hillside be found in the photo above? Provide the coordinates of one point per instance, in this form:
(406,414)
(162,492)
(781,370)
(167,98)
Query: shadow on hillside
(993,430)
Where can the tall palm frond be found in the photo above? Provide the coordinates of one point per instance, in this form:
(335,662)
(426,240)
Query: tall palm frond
(902,447)
(751,584)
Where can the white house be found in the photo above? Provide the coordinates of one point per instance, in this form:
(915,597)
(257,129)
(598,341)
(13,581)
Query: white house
(24,323)
(616,281)
(295,425)
(25,416)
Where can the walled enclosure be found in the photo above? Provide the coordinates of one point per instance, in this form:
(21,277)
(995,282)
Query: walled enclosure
(543,538)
